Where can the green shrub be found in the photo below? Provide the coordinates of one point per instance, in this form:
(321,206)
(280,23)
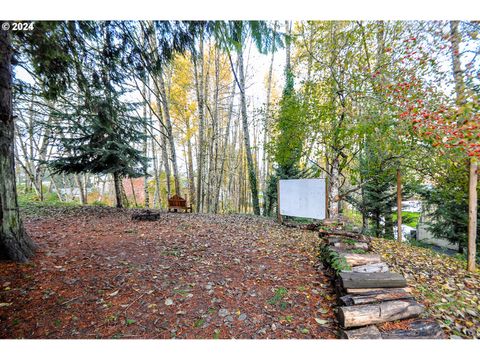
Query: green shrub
(334,259)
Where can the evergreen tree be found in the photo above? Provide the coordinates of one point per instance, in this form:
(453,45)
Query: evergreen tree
(288,144)
(446,205)
(100,134)
(290,128)
(378,194)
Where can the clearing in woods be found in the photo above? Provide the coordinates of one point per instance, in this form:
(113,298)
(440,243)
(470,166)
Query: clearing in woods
(98,274)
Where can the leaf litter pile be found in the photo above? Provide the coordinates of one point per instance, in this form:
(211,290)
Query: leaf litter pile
(98,274)
(450,293)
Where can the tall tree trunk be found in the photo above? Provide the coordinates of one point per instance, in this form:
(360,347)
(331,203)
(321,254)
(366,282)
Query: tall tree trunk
(78,181)
(170,138)
(334,190)
(133,193)
(472,214)
(163,136)
(166,163)
(288,42)
(161,99)
(118,190)
(233,163)
(455,39)
(156,197)
(213,150)
(42,148)
(191,178)
(15,244)
(198,69)
(55,188)
(145,145)
(225,149)
(399,205)
(266,125)
(246,136)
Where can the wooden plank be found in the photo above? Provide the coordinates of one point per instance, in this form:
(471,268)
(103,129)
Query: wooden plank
(361,315)
(371,268)
(375,296)
(352,280)
(361,259)
(418,329)
(367,332)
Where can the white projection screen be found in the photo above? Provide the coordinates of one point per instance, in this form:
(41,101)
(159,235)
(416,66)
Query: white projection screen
(303,198)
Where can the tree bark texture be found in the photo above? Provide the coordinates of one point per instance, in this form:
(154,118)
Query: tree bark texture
(472,214)
(361,315)
(15,244)
(252,176)
(118,190)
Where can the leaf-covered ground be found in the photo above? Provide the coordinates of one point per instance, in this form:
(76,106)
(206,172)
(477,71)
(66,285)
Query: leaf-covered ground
(450,293)
(98,274)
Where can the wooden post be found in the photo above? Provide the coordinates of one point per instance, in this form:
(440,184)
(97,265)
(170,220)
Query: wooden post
(399,205)
(472,214)
(279,215)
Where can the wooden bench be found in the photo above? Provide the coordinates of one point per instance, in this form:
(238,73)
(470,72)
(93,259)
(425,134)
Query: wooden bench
(176,203)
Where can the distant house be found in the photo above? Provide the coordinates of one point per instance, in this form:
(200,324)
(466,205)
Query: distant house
(421,232)
(424,235)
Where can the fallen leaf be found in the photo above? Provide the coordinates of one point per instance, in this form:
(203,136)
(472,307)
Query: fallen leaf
(168,302)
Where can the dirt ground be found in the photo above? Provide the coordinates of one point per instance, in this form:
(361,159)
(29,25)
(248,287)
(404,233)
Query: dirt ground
(98,274)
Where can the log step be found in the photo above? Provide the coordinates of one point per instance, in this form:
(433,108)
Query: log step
(418,329)
(367,332)
(345,246)
(353,280)
(361,315)
(367,290)
(371,268)
(375,296)
(361,259)
(333,239)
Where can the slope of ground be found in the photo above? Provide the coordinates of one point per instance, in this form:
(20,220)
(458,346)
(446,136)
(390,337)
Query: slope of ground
(98,274)
(450,293)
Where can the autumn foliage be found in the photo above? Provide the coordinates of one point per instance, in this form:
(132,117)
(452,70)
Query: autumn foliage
(431,115)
